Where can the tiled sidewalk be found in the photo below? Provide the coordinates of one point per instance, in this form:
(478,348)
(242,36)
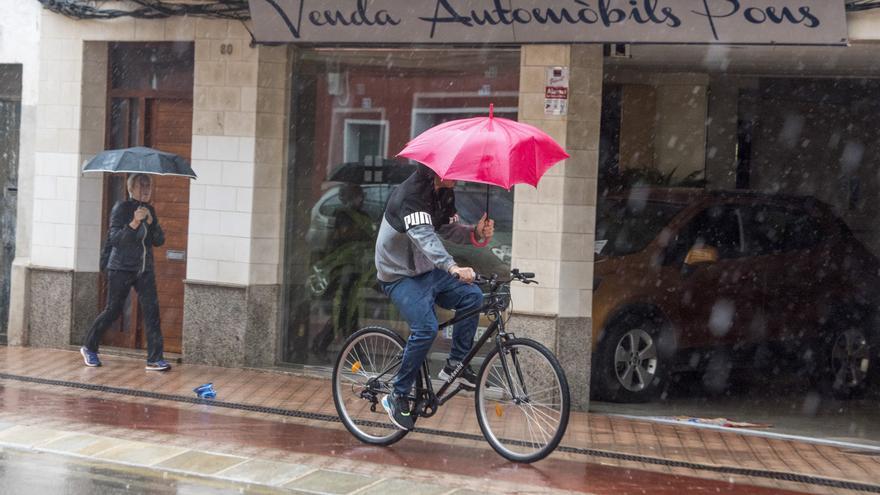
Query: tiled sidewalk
(586,431)
(286,476)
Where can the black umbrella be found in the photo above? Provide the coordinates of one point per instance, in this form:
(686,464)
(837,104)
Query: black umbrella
(139,160)
(388,172)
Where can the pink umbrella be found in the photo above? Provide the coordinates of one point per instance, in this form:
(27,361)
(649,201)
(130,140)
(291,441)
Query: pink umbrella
(488,150)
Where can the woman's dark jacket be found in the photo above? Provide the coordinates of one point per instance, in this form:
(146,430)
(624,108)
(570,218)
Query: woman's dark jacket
(132,250)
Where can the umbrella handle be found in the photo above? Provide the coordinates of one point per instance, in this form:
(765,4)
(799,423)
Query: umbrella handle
(476,243)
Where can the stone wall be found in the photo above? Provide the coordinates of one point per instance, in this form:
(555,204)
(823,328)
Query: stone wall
(554,225)
(51,308)
(230,326)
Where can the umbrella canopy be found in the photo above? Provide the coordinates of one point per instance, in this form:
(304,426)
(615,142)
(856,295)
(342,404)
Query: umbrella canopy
(139,160)
(488,150)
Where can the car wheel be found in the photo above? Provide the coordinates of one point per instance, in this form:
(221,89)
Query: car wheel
(631,365)
(845,362)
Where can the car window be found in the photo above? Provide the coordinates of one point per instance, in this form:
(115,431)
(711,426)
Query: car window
(329,207)
(375,198)
(720,227)
(626,227)
(776,230)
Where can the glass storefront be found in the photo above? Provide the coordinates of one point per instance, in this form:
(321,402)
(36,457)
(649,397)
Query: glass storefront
(736,243)
(352,111)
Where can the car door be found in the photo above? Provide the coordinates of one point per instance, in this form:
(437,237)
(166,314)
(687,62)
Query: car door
(717,300)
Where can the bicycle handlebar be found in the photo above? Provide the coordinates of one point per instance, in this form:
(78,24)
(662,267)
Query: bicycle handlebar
(524,277)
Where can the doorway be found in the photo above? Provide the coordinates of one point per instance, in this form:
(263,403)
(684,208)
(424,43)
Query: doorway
(150,104)
(10,122)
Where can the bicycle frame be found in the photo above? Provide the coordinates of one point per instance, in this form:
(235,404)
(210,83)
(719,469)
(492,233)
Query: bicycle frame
(495,329)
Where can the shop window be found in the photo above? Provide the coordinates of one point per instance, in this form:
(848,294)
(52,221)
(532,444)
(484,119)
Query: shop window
(352,111)
(152,66)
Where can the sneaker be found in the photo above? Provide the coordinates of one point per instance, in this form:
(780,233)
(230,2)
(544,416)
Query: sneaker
(160,365)
(466,377)
(91,358)
(398,411)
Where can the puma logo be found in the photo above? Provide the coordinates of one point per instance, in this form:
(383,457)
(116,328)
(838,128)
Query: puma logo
(417,218)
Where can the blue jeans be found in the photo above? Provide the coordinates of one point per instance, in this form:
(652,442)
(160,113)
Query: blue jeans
(415,298)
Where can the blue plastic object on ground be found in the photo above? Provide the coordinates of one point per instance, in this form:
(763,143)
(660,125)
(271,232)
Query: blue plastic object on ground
(206,391)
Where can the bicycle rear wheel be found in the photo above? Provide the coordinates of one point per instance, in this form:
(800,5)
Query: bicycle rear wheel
(522,401)
(363,373)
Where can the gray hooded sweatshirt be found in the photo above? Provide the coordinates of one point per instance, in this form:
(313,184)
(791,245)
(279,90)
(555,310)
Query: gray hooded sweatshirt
(408,244)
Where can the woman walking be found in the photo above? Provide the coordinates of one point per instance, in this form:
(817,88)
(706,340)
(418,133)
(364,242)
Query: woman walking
(134,230)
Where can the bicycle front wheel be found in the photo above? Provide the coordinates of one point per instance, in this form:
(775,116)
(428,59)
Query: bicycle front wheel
(364,372)
(522,400)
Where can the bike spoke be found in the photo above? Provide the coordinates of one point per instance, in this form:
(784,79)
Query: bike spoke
(361,378)
(532,420)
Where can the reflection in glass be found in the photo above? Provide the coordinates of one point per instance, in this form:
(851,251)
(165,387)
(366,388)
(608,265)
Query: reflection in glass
(759,302)
(352,110)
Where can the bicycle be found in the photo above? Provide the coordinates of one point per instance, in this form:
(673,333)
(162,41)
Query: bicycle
(522,399)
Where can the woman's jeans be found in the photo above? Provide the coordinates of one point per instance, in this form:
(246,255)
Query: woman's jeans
(119,284)
(415,298)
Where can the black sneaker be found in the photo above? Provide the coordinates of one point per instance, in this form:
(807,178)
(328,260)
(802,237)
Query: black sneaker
(398,411)
(467,376)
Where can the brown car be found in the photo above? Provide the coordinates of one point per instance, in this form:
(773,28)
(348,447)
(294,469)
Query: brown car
(683,276)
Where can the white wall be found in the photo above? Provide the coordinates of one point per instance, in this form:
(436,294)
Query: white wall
(864,26)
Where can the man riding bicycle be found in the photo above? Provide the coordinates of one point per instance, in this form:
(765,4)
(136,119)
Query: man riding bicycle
(416,272)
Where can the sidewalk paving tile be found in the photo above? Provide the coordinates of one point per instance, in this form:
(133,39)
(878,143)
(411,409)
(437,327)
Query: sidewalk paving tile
(204,463)
(28,436)
(403,487)
(81,444)
(265,472)
(139,453)
(335,482)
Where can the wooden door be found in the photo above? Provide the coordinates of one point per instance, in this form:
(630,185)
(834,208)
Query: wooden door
(149,103)
(164,124)
(170,129)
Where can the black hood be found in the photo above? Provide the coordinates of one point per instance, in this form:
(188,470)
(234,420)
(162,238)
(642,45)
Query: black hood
(415,202)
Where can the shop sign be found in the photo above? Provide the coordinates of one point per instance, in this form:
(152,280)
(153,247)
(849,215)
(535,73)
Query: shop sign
(753,22)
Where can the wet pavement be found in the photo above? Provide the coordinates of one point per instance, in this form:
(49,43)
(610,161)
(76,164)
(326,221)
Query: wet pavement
(23,471)
(604,454)
(481,464)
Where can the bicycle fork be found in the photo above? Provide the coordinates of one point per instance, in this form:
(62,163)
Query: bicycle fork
(503,351)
